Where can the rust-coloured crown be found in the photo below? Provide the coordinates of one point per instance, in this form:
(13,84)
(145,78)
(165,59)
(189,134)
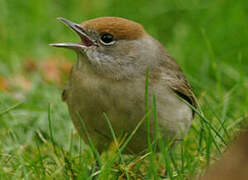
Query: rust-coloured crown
(120,28)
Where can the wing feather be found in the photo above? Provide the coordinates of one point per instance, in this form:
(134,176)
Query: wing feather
(177,81)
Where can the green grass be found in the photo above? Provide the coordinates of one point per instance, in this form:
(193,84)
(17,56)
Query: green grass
(37,139)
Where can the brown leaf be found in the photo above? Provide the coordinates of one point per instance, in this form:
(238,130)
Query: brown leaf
(30,65)
(65,66)
(4,84)
(50,71)
(20,81)
(54,69)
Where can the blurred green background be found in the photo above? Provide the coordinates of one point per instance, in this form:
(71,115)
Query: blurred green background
(202,35)
(207,38)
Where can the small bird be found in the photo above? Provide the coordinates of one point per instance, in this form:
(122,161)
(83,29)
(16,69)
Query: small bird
(109,77)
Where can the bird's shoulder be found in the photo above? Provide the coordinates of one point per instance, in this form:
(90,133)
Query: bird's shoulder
(170,72)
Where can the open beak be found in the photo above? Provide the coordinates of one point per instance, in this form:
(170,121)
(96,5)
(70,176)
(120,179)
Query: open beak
(86,41)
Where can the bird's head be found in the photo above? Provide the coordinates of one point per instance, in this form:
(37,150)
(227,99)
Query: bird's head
(115,45)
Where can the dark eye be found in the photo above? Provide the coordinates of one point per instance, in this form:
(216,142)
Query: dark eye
(107,39)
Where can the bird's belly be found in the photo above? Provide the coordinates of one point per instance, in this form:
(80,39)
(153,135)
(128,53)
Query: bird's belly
(96,100)
(91,100)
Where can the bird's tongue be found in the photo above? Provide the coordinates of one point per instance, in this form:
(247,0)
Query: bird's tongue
(85,41)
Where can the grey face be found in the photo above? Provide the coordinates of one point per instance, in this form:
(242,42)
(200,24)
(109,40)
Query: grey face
(119,57)
(97,47)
